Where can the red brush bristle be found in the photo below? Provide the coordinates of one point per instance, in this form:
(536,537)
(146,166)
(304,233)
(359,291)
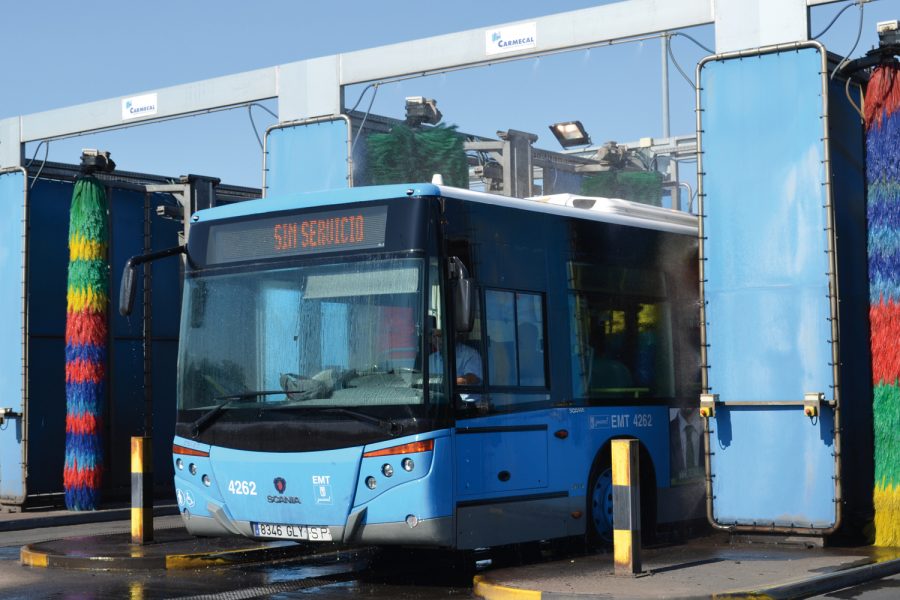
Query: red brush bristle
(86,328)
(884,320)
(75,478)
(882,94)
(81,371)
(82,424)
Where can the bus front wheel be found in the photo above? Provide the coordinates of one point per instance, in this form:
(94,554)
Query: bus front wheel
(600,501)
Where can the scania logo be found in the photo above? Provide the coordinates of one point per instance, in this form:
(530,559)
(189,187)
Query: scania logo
(282,499)
(280,486)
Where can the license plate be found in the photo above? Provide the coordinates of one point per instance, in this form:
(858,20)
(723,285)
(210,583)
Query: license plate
(282,531)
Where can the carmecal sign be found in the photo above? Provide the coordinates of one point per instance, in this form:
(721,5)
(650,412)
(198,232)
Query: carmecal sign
(510,39)
(139,106)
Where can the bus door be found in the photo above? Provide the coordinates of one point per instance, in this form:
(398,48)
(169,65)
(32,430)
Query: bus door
(502,457)
(768,283)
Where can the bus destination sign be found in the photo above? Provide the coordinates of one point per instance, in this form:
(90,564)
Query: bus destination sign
(297,235)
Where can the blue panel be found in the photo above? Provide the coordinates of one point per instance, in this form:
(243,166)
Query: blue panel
(46,414)
(767,286)
(126,214)
(849,185)
(773,466)
(165,358)
(424,492)
(483,456)
(12,211)
(307,158)
(48,258)
(303,473)
(166,277)
(126,411)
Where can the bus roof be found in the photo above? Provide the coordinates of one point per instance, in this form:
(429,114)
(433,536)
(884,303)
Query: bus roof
(609,210)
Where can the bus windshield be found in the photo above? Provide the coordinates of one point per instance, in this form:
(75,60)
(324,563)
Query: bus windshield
(347,334)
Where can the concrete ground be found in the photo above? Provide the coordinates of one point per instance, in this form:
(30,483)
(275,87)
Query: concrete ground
(709,567)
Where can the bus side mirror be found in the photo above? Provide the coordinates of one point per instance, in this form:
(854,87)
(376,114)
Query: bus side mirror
(127,289)
(463,296)
(127,286)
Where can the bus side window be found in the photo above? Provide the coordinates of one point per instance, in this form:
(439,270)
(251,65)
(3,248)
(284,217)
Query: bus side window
(516,342)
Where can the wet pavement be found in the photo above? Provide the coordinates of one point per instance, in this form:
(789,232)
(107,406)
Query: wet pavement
(91,558)
(87,560)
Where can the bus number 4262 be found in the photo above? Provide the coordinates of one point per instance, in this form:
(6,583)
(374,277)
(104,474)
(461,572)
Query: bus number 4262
(242,488)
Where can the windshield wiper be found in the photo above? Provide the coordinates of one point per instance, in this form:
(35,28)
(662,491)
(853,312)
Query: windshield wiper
(390,427)
(209,416)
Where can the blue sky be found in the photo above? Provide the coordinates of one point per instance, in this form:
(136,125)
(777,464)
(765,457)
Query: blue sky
(59,53)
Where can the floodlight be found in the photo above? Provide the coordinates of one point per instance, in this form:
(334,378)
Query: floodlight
(422,110)
(570,133)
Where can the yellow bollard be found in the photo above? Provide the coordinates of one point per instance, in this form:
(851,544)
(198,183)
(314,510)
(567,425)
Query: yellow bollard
(141,490)
(626,507)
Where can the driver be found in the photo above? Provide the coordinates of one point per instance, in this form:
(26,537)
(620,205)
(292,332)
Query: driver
(468,360)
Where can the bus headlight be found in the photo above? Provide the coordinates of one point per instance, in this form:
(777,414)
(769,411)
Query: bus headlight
(408,464)
(206,481)
(179,463)
(370,482)
(192,468)
(412,520)
(387,470)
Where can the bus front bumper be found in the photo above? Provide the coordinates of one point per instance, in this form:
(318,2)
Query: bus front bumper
(438,532)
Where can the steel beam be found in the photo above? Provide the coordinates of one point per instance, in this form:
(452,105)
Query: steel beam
(313,87)
(180,100)
(553,33)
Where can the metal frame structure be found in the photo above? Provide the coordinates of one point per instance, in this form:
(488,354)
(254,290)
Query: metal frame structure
(23,415)
(832,297)
(314,87)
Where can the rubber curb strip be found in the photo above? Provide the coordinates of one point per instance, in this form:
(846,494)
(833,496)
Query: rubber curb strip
(819,584)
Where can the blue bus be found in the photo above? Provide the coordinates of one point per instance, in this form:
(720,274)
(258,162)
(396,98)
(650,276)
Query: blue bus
(428,366)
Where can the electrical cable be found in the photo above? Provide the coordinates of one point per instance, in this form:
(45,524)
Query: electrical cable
(693,40)
(836,17)
(846,58)
(36,150)
(678,67)
(46,145)
(258,105)
(363,93)
(857,108)
(366,116)
(253,123)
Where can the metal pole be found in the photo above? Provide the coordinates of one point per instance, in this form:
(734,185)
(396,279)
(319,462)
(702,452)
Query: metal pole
(664,45)
(141,490)
(147,323)
(626,507)
(672,169)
